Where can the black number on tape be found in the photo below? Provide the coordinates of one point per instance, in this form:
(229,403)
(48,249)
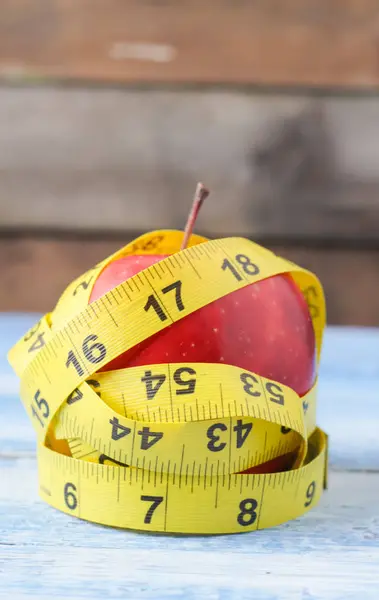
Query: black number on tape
(149,438)
(148,380)
(104,457)
(78,394)
(74,396)
(153,302)
(152,244)
(188,385)
(156,501)
(70,499)
(310,493)
(43,408)
(83,285)
(177,287)
(38,343)
(274,390)
(95,384)
(228,265)
(285,430)
(242,430)
(32,332)
(118,431)
(72,360)
(249,381)
(154,382)
(248,513)
(94,353)
(215,438)
(248,267)
(310,294)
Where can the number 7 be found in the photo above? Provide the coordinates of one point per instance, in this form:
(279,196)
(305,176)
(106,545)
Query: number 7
(156,501)
(152,301)
(177,286)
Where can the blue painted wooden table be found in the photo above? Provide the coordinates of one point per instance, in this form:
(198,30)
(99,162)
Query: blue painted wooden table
(331,553)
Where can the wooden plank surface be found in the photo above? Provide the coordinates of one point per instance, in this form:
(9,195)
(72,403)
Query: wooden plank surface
(330,554)
(35,271)
(299,42)
(278,166)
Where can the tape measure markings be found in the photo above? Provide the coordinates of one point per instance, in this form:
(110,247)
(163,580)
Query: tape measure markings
(287,413)
(209,500)
(90,339)
(97,316)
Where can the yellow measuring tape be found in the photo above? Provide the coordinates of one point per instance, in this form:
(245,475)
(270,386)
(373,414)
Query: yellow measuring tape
(162,447)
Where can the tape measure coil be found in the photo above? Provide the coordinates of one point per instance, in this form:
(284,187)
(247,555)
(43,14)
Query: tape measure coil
(184,451)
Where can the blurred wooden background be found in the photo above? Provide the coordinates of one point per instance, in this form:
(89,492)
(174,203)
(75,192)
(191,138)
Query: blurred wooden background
(111,111)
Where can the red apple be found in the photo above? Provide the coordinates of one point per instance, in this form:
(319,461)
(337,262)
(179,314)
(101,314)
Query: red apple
(265,328)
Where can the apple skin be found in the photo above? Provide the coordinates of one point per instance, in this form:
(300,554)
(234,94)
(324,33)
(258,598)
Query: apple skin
(264,327)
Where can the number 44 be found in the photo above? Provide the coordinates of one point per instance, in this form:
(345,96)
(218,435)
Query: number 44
(148,437)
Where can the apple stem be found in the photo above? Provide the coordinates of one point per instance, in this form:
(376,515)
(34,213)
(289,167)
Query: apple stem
(200,195)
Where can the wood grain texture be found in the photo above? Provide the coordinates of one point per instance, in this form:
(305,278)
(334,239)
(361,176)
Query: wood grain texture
(35,271)
(318,43)
(332,553)
(115,160)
